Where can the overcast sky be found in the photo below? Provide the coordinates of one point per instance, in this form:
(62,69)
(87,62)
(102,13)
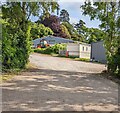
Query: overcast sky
(75,13)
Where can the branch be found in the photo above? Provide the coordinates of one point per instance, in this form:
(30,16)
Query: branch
(31,12)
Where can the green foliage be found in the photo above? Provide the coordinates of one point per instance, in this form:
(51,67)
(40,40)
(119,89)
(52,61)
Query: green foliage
(43,50)
(94,35)
(16,41)
(39,30)
(64,16)
(82,30)
(73,32)
(15,54)
(65,32)
(51,49)
(109,15)
(58,47)
(88,35)
(68,26)
(83,59)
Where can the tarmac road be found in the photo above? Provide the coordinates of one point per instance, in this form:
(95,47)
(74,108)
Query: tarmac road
(60,84)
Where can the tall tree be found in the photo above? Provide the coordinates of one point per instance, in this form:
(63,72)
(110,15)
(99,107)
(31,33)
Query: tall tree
(69,26)
(89,34)
(73,32)
(64,16)
(82,30)
(94,35)
(80,26)
(39,30)
(16,31)
(64,32)
(53,22)
(109,15)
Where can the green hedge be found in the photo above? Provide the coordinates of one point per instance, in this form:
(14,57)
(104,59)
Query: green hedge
(15,47)
(51,49)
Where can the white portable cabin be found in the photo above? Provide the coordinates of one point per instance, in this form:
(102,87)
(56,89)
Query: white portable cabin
(81,50)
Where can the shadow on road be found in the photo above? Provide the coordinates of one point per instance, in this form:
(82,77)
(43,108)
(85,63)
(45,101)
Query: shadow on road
(51,90)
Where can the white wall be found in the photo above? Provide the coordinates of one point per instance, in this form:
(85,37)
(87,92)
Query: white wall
(86,52)
(77,50)
(73,49)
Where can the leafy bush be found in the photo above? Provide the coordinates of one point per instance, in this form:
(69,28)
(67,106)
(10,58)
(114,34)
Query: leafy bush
(15,47)
(51,49)
(114,63)
(58,47)
(44,50)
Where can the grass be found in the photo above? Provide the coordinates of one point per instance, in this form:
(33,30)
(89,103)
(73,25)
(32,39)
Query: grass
(10,74)
(6,76)
(82,59)
(54,55)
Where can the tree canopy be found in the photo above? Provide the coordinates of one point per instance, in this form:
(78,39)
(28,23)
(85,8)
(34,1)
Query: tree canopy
(16,27)
(53,22)
(109,15)
(39,30)
(64,16)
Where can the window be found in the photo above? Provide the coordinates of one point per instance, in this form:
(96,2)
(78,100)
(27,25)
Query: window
(83,48)
(86,48)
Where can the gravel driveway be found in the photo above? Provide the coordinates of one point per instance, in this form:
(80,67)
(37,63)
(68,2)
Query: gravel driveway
(60,84)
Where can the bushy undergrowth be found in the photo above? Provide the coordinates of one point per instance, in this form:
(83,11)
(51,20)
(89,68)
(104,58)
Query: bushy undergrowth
(15,48)
(51,49)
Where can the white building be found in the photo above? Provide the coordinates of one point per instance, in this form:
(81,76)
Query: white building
(81,50)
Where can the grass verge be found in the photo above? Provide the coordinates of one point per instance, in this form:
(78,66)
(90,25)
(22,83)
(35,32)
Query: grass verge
(6,76)
(82,59)
(10,74)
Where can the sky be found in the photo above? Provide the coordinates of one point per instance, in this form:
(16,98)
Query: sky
(75,13)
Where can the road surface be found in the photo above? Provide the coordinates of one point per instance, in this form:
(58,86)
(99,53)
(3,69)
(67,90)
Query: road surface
(60,84)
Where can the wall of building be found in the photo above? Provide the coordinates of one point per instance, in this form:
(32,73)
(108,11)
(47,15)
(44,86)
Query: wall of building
(85,51)
(73,49)
(80,50)
(98,52)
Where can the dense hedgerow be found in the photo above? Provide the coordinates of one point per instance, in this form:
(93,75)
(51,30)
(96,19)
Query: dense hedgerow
(15,47)
(15,19)
(51,49)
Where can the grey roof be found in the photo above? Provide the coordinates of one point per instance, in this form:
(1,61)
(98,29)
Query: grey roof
(82,43)
(58,38)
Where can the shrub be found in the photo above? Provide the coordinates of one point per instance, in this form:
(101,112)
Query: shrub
(51,49)
(58,47)
(15,47)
